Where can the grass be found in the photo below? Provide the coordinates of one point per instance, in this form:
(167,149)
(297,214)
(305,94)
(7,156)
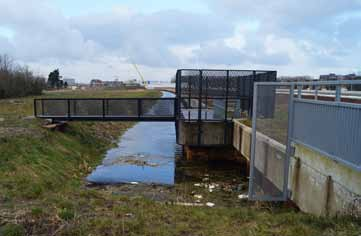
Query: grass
(43,192)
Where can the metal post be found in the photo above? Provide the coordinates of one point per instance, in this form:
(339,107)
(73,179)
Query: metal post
(74,107)
(68,108)
(299,88)
(253,144)
(250,105)
(103,107)
(200,107)
(289,142)
(35,110)
(139,107)
(42,107)
(226,110)
(338,93)
(316,92)
(189,93)
(227,90)
(206,97)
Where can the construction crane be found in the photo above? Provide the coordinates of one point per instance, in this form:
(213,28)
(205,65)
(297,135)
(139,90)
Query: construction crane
(140,74)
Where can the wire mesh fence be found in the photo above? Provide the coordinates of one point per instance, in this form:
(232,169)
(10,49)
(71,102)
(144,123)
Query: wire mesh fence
(269,161)
(217,95)
(106,109)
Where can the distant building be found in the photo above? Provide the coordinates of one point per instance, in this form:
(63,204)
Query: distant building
(69,81)
(333,76)
(303,78)
(96,83)
(113,84)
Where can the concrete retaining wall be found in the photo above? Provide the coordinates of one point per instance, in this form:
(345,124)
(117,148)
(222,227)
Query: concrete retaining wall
(317,184)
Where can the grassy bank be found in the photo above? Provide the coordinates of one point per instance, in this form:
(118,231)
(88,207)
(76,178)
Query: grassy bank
(43,192)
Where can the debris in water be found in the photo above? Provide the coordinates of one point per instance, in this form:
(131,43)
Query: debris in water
(198,196)
(212,186)
(210,204)
(132,160)
(188,204)
(130,215)
(243,196)
(134,183)
(2,119)
(197,185)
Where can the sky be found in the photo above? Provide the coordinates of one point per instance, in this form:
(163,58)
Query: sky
(88,39)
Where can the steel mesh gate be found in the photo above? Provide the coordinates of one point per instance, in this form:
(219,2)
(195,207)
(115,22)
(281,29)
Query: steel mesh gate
(270,150)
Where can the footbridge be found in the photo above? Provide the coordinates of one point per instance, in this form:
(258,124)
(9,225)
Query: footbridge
(203,107)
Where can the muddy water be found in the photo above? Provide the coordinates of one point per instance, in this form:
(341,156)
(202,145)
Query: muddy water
(145,154)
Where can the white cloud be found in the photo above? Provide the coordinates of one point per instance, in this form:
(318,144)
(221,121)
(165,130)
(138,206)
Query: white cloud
(291,36)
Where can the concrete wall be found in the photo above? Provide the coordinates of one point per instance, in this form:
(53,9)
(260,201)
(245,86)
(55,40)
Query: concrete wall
(317,184)
(212,133)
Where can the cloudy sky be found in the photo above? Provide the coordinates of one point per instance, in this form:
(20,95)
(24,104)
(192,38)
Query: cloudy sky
(89,39)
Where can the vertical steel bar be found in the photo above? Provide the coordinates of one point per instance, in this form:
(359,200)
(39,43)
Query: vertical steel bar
(338,93)
(289,142)
(42,107)
(68,108)
(107,107)
(189,93)
(299,89)
(74,107)
(35,108)
(253,144)
(200,107)
(227,91)
(103,107)
(226,110)
(316,92)
(206,97)
(139,107)
(251,94)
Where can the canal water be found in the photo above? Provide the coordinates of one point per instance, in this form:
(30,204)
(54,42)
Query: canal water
(144,154)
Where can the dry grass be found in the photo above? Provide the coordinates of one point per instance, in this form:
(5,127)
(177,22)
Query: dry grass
(43,192)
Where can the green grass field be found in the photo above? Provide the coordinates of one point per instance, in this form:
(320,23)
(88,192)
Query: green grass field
(43,192)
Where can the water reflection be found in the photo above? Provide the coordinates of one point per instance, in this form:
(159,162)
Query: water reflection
(145,153)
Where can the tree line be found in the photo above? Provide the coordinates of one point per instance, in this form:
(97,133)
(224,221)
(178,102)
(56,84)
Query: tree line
(18,81)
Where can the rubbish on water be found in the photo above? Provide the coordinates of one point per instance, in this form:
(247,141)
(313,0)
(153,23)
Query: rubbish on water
(210,204)
(188,204)
(197,185)
(243,196)
(130,215)
(198,196)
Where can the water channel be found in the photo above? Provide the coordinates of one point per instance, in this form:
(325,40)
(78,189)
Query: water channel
(145,153)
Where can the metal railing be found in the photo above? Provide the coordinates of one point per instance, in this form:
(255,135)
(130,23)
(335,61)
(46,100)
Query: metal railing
(322,116)
(217,95)
(106,109)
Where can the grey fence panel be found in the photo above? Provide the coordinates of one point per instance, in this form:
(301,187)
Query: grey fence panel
(333,129)
(323,116)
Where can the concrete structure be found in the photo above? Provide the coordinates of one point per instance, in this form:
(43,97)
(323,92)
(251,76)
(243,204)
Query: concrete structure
(317,184)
